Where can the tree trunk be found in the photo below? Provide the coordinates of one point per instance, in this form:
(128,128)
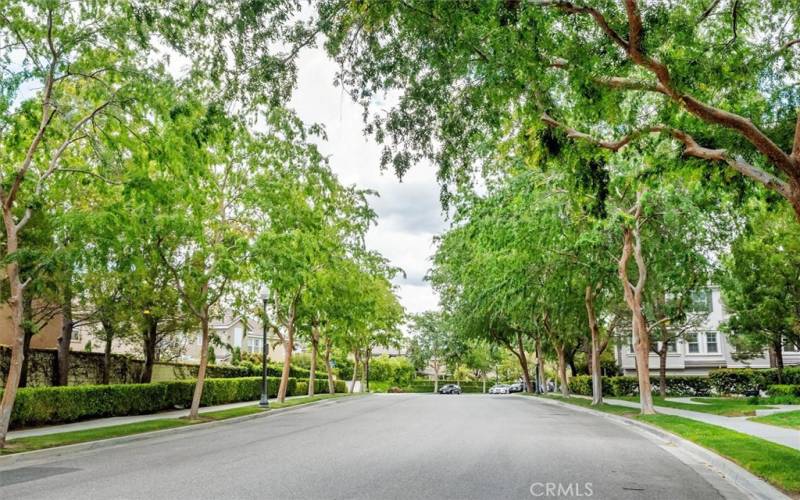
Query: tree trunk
(523,362)
(569,355)
(150,338)
(108,333)
(540,364)
(662,369)
(594,353)
(16,296)
(436,368)
(779,360)
(562,370)
(355,371)
(365,371)
(194,411)
(28,329)
(484,382)
(64,341)
(287,361)
(312,370)
(633,297)
(328,370)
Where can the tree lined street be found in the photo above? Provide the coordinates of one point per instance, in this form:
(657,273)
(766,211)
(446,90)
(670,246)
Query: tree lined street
(404,446)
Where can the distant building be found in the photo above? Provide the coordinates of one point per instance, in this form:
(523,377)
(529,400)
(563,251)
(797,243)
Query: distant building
(234,332)
(704,348)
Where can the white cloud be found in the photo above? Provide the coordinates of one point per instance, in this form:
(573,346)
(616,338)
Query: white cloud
(409,211)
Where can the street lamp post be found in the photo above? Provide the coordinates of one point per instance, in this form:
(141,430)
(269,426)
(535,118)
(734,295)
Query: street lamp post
(264,403)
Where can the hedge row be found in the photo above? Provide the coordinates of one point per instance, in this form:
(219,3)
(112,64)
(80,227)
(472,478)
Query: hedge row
(742,381)
(784,390)
(321,386)
(56,405)
(248,369)
(428,385)
(722,381)
(629,386)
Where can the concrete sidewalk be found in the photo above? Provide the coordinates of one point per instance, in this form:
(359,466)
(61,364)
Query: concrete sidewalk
(106,422)
(778,435)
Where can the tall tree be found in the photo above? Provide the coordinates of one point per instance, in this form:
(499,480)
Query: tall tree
(477,74)
(761,287)
(429,343)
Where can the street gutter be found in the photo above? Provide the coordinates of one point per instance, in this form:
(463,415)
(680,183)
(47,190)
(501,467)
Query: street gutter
(720,472)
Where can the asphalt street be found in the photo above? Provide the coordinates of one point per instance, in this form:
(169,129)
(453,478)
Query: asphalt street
(375,447)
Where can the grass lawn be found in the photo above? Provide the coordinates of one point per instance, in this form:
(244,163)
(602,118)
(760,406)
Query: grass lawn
(587,403)
(728,407)
(775,463)
(790,419)
(74,437)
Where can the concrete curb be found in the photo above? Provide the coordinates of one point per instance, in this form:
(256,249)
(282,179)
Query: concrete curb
(695,456)
(57,451)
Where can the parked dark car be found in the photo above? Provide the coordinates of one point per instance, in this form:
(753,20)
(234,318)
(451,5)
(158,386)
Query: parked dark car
(518,387)
(450,389)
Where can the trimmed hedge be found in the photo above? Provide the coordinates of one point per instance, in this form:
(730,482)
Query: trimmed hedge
(428,385)
(784,390)
(737,381)
(724,381)
(56,405)
(629,385)
(745,380)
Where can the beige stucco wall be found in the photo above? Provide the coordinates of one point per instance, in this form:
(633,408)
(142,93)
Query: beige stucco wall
(47,338)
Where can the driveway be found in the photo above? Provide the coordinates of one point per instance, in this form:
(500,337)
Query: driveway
(411,446)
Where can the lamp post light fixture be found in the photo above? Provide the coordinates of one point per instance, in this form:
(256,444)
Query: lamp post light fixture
(264,403)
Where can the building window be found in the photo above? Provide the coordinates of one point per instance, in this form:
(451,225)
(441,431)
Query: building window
(692,343)
(789,346)
(254,345)
(672,346)
(700,301)
(711,342)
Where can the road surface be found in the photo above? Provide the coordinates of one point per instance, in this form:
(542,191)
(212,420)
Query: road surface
(411,446)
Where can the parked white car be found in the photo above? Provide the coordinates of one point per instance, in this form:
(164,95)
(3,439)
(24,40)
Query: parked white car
(499,389)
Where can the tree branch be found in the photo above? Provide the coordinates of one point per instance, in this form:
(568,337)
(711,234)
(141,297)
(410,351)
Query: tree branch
(691,148)
(637,245)
(571,8)
(704,111)
(796,146)
(708,11)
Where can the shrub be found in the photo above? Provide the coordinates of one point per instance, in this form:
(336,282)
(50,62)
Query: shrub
(784,390)
(301,388)
(624,386)
(737,380)
(55,405)
(582,385)
(397,370)
(428,385)
(684,385)
(629,386)
(791,375)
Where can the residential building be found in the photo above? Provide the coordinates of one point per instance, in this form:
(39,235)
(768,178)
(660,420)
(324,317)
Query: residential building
(704,347)
(234,332)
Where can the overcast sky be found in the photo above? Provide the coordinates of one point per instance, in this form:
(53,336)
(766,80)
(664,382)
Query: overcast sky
(409,214)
